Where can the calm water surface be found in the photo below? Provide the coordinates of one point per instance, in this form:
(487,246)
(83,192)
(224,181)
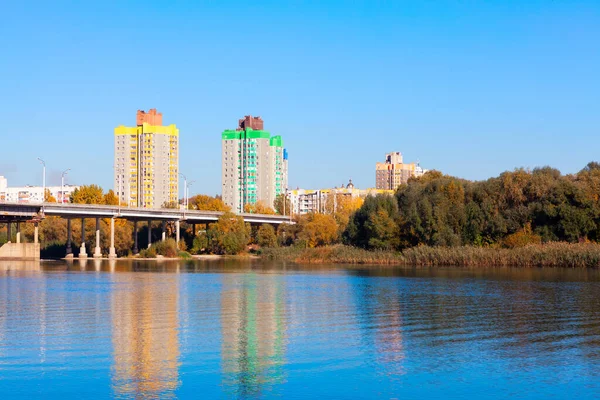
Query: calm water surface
(252,330)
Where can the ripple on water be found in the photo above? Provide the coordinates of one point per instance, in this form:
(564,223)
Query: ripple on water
(331,333)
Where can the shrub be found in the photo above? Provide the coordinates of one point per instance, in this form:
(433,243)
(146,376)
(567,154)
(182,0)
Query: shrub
(167,248)
(522,238)
(233,243)
(148,253)
(182,246)
(184,255)
(200,243)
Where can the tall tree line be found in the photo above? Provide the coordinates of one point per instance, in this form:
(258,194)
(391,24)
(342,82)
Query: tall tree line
(441,210)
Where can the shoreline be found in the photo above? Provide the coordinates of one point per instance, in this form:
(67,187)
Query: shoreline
(553,255)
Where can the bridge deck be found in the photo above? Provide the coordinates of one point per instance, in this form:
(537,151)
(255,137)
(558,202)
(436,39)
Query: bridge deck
(18,211)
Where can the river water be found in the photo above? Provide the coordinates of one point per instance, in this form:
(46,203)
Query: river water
(226,329)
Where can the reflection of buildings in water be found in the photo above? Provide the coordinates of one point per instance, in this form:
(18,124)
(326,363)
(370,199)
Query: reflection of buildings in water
(389,341)
(253,327)
(145,330)
(3,312)
(382,325)
(25,298)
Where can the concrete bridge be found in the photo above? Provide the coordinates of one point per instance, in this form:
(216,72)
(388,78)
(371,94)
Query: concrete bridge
(15,213)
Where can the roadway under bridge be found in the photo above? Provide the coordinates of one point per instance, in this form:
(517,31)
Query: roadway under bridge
(17,213)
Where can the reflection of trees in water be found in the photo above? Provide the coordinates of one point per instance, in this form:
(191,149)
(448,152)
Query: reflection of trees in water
(526,317)
(145,329)
(253,327)
(380,318)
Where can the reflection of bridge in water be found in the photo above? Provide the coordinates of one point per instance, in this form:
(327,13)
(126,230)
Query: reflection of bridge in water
(14,213)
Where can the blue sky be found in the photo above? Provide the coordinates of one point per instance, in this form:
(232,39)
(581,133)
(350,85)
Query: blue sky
(471,88)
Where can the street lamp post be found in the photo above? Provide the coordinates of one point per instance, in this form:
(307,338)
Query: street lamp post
(119,192)
(62,184)
(43,179)
(184,186)
(187,195)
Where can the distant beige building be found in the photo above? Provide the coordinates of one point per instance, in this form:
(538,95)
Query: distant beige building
(394,172)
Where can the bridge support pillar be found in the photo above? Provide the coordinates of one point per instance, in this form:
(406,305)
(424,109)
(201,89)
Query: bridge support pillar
(97,251)
(9,232)
(82,252)
(164,231)
(111,251)
(69,238)
(135,238)
(149,233)
(18,232)
(35,233)
(177,231)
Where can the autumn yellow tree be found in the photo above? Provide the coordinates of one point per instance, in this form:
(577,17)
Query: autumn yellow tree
(341,206)
(88,194)
(318,229)
(110,198)
(207,203)
(260,207)
(48,198)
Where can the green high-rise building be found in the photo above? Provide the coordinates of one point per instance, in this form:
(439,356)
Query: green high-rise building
(254,165)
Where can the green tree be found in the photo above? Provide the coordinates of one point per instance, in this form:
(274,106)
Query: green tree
(287,234)
(266,236)
(229,235)
(374,224)
(281,207)
(201,243)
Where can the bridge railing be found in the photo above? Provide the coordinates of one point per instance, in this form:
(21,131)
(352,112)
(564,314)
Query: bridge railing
(113,211)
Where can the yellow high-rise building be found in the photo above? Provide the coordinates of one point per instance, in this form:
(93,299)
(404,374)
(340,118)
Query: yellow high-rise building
(147,162)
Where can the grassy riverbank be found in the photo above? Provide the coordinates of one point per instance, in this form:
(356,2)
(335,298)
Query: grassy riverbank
(164,249)
(579,255)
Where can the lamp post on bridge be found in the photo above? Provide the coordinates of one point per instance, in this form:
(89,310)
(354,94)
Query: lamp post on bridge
(43,180)
(187,195)
(62,184)
(184,187)
(119,191)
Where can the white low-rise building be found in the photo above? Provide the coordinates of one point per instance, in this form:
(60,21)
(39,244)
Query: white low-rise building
(33,194)
(306,201)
